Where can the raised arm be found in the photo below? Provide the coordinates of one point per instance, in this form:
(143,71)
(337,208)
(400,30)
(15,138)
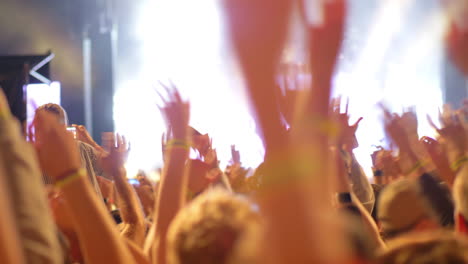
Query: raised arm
(10,247)
(38,234)
(173,187)
(410,163)
(347,142)
(133,220)
(82,134)
(293,166)
(99,239)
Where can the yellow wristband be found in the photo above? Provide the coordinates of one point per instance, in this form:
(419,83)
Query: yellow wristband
(177,143)
(417,166)
(70,178)
(458,163)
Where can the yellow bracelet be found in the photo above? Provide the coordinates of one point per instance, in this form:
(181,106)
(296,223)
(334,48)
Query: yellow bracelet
(70,178)
(177,143)
(458,163)
(418,165)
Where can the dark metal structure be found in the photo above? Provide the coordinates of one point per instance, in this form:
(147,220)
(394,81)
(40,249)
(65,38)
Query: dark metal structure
(18,71)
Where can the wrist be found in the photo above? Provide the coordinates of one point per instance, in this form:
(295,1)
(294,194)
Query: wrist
(118,172)
(68,177)
(178,143)
(459,162)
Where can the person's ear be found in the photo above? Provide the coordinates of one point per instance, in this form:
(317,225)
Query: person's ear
(460,224)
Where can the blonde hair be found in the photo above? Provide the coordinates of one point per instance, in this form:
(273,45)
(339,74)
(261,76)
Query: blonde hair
(211,228)
(57,110)
(426,248)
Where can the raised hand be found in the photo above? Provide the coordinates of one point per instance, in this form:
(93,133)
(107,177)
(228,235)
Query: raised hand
(395,130)
(346,137)
(211,157)
(83,135)
(173,188)
(325,39)
(453,134)
(175,111)
(439,159)
(235,155)
(258,31)
(409,122)
(56,148)
(385,166)
(117,153)
(292,89)
(59,157)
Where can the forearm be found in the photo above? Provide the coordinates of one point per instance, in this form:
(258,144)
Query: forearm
(361,185)
(98,235)
(267,114)
(409,161)
(10,246)
(36,227)
(137,253)
(130,208)
(288,238)
(321,89)
(171,197)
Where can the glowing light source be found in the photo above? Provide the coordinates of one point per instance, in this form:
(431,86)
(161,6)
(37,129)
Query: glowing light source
(182,41)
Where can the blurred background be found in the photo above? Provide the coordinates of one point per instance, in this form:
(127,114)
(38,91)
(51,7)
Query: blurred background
(110,55)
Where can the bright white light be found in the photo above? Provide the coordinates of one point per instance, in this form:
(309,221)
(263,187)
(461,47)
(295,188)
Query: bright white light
(39,94)
(183,41)
(411,78)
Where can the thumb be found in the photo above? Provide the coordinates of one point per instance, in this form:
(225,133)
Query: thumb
(357,122)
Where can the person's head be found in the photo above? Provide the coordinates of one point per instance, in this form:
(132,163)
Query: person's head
(214,228)
(56,110)
(403,209)
(460,196)
(426,248)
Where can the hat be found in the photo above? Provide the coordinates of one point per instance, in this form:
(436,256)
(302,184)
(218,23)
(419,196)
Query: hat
(401,206)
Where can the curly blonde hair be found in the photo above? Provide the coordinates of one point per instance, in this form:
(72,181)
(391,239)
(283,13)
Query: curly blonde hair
(211,228)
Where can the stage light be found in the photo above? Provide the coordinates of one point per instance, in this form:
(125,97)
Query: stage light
(400,66)
(182,41)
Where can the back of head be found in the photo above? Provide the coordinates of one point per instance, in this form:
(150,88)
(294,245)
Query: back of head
(427,248)
(56,110)
(210,229)
(401,207)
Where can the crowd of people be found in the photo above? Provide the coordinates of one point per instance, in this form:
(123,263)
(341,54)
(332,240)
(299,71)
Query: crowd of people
(67,199)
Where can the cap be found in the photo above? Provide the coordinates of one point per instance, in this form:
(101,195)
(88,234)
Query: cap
(401,205)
